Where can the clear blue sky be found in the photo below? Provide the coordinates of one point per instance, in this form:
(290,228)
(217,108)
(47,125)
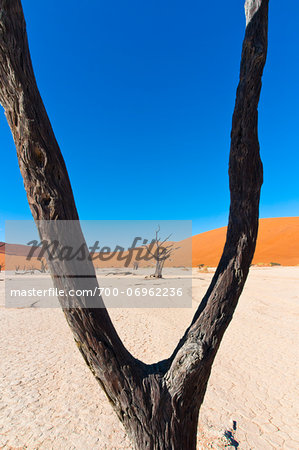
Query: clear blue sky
(140,96)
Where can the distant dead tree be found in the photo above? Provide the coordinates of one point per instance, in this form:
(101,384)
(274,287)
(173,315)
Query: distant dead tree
(159,403)
(43,266)
(161,252)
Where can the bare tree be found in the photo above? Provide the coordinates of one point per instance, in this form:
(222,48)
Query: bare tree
(43,267)
(2,265)
(161,253)
(158,404)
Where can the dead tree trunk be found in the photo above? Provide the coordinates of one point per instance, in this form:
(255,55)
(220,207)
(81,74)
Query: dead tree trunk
(161,252)
(158,404)
(158,270)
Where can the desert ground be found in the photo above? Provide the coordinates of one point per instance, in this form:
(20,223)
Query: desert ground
(50,400)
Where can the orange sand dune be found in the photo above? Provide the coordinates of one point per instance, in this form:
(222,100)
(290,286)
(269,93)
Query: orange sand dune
(16,257)
(278,242)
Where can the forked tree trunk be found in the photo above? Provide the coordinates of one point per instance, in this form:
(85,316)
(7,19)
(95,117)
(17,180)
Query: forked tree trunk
(159,403)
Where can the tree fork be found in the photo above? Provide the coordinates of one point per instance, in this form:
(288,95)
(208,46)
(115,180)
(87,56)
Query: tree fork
(159,403)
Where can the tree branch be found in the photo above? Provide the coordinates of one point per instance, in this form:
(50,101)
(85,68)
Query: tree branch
(198,347)
(50,197)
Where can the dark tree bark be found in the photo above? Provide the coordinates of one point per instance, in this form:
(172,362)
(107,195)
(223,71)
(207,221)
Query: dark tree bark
(158,404)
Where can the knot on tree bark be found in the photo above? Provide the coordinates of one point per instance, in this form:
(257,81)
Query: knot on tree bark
(185,363)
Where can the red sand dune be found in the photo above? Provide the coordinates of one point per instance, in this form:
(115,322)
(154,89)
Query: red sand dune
(278,242)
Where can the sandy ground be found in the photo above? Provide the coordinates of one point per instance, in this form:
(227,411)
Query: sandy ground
(50,400)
